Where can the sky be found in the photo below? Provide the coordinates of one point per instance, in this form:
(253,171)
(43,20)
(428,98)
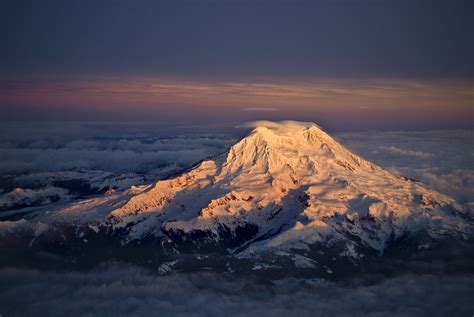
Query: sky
(347,65)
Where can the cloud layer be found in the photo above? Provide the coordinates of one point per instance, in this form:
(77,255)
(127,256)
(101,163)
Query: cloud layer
(406,102)
(119,291)
(120,149)
(151,91)
(441,159)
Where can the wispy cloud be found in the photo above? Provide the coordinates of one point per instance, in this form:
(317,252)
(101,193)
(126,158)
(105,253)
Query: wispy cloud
(440,159)
(158,91)
(262,109)
(397,150)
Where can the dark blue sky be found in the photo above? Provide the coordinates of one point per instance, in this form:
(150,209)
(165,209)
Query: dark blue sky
(235,39)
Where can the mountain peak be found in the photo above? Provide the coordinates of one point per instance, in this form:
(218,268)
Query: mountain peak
(285,130)
(273,147)
(287,192)
(303,148)
(280,128)
(288,185)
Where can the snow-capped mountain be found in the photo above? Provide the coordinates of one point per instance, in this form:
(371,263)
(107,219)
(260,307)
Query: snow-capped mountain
(286,192)
(286,186)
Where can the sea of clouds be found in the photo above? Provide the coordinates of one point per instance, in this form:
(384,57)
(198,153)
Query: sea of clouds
(131,291)
(443,160)
(115,147)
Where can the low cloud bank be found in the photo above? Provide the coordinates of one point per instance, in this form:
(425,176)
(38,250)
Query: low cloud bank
(129,291)
(444,160)
(114,148)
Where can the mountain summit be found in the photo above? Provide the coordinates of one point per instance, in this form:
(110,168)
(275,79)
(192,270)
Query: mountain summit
(289,186)
(287,198)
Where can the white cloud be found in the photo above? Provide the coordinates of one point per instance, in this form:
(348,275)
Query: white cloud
(406,152)
(262,109)
(108,148)
(443,160)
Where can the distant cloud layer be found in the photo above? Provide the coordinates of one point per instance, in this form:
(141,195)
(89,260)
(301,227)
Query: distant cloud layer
(119,291)
(127,149)
(396,150)
(145,91)
(404,101)
(444,160)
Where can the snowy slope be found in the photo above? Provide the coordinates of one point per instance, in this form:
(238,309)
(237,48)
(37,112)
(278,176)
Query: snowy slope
(287,186)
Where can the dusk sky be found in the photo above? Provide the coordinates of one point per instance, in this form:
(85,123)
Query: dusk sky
(344,64)
(269,158)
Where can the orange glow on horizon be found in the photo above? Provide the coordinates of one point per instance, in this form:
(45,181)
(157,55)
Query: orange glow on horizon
(331,95)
